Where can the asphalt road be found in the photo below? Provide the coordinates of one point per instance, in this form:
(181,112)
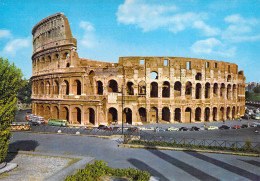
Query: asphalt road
(167,165)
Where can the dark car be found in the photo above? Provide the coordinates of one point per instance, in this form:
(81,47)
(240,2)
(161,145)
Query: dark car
(194,128)
(183,129)
(224,127)
(246,116)
(102,127)
(133,129)
(35,123)
(244,126)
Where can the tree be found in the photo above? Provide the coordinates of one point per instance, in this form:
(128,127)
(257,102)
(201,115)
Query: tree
(257,89)
(10,83)
(24,94)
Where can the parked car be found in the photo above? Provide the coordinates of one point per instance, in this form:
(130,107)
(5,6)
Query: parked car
(115,128)
(246,116)
(157,129)
(194,128)
(211,127)
(236,127)
(102,127)
(133,129)
(244,126)
(223,127)
(172,129)
(20,127)
(183,129)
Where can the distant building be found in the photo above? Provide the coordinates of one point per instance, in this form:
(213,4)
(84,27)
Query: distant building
(135,90)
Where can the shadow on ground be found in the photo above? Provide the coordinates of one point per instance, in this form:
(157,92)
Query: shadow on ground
(23,145)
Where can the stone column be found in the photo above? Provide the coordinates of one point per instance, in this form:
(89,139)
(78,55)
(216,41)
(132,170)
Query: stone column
(203,114)
(159,114)
(83,85)
(172,114)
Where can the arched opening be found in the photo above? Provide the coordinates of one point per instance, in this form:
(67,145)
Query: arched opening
(112,115)
(67,87)
(188,89)
(112,86)
(154,89)
(154,115)
(166,114)
(228,113)
(48,88)
(99,88)
(154,75)
(55,112)
(198,76)
(229,78)
(177,89)
(207,90)
(177,115)
(127,115)
(41,88)
(142,88)
(77,115)
(233,112)
(142,114)
(215,112)
(228,91)
(166,89)
(56,88)
(68,65)
(130,88)
(207,114)
(77,87)
(222,90)
(40,110)
(221,114)
(188,115)
(91,116)
(65,55)
(198,91)
(65,113)
(215,89)
(198,114)
(47,113)
(234,91)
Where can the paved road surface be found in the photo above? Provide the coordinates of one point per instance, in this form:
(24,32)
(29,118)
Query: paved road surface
(168,165)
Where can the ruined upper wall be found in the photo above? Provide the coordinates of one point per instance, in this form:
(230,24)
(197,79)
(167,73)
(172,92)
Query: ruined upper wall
(52,31)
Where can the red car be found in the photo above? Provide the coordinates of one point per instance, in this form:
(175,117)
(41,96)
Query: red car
(236,127)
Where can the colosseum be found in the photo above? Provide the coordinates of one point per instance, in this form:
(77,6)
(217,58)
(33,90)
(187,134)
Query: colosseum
(136,90)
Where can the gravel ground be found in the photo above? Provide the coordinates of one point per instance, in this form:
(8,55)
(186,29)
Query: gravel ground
(34,167)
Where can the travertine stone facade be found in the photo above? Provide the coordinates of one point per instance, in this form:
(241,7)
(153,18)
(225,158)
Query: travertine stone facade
(136,89)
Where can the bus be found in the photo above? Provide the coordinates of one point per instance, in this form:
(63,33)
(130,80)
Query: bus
(257,116)
(57,122)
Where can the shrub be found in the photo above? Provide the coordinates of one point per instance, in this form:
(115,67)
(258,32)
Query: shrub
(93,172)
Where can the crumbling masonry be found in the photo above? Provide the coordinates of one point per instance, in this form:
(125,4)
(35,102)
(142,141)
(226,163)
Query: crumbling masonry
(150,89)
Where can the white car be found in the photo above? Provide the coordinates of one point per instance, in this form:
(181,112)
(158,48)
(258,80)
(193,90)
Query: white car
(172,129)
(144,128)
(211,127)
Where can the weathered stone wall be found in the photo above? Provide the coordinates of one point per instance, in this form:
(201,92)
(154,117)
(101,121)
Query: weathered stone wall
(151,89)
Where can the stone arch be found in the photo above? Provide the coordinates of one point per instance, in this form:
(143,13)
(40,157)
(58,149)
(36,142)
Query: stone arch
(154,115)
(40,110)
(127,115)
(198,76)
(47,112)
(42,88)
(112,86)
(66,87)
(222,90)
(207,114)
(234,91)
(154,75)
(65,55)
(229,78)
(215,89)
(130,88)
(214,113)
(198,114)
(65,113)
(177,115)
(154,89)
(198,91)
(142,114)
(76,87)
(177,89)
(142,88)
(188,115)
(166,115)
(112,115)
(228,91)
(221,114)
(188,88)
(233,112)
(48,88)
(99,88)
(207,90)
(56,88)
(76,114)
(228,113)
(55,112)
(166,89)
(91,116)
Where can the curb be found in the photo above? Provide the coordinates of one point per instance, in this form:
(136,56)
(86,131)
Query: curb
(187,149)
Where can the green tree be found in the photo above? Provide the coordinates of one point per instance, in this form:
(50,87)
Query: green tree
(24,94)
(10,83)
(257,89)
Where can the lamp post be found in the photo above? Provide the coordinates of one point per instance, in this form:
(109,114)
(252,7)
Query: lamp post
(122,109)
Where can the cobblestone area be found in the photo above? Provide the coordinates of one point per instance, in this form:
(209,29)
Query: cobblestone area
(34,167)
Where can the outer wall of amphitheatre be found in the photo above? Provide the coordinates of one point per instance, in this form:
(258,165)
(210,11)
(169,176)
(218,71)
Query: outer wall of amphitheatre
(136,89)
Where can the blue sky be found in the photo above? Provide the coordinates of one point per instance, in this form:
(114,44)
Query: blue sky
(221,30)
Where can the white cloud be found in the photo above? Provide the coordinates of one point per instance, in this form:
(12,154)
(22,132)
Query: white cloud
(89,38)
(213,46)
(148,17)
(241,29)
(5,34)
(15,45)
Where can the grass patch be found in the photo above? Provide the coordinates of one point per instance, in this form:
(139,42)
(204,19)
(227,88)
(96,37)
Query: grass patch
(93,172)
(253,97)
